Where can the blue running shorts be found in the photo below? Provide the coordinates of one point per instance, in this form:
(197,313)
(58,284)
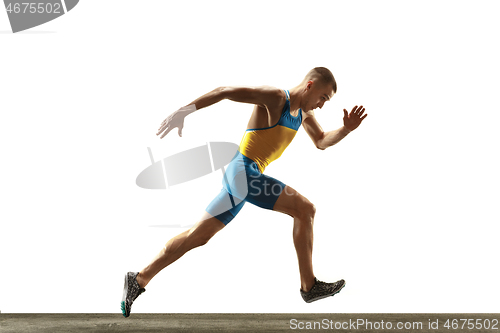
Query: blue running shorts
(243,182)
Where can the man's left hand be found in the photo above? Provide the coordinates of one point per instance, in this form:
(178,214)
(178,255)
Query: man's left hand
(354,118)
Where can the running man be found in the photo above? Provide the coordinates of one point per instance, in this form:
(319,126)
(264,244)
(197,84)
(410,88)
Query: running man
(276,117)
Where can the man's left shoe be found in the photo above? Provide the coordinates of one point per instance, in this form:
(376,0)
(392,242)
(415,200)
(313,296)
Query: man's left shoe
(321,290)
(131,291)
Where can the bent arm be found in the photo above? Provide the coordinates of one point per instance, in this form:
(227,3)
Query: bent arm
(322,139)
(333,137)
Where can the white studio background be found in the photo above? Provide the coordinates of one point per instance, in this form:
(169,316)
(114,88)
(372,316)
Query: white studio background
(406,204)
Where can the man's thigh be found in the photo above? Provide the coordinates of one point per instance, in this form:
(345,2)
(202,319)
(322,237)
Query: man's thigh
(263,190)
(224,207)
(291,202)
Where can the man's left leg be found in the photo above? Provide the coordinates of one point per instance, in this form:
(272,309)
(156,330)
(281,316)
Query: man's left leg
(302,210)
(270,193)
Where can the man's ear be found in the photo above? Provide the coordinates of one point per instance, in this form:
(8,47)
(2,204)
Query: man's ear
(309,84)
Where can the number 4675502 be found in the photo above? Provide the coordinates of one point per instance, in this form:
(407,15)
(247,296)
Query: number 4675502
(471,324)
(33,8)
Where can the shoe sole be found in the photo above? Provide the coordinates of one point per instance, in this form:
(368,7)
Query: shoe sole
(124,298)
(325,296)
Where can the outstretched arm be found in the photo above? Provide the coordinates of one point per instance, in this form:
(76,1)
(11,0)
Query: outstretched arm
(323,139)
(264,96)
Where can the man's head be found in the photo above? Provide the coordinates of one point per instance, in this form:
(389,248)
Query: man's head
(318,87)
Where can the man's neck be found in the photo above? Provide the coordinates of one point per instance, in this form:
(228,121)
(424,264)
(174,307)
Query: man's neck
(295,98)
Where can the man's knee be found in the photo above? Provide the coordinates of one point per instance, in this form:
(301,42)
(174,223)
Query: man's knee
(312,209)
(204,240)
(294,204)
(204,231)
(308,209)
(304,209)
(199,237)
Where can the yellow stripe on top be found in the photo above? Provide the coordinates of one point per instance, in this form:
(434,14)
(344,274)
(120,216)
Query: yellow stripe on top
(264,145)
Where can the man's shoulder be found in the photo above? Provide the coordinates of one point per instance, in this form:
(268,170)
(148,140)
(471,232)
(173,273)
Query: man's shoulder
(263,96)
(274,96)
(273,91)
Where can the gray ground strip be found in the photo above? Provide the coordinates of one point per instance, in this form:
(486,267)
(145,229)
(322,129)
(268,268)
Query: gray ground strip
(251,322)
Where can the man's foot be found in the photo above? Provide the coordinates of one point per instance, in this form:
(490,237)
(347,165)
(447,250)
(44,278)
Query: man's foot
(131,291)
(321,290)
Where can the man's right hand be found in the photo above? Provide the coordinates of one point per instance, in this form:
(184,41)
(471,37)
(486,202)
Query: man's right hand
(176,119)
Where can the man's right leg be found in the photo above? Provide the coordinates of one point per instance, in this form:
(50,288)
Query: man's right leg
(218,214)
(176,247)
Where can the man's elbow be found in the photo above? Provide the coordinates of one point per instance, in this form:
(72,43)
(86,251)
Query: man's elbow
(221,92)
(320,146)
(320,142)
(230,93)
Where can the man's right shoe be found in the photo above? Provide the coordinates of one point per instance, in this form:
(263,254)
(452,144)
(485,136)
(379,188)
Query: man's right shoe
(131,291)
(321,290)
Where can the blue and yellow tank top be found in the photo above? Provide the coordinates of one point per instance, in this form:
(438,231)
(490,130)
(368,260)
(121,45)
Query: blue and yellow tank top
(264,145)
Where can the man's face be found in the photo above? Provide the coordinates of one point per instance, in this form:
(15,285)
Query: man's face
(316,95)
